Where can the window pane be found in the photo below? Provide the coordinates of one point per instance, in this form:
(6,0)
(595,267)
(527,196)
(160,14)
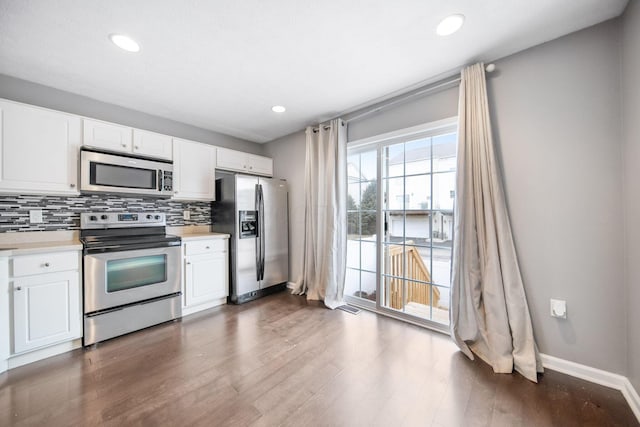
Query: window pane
(394,292)
(367,285)
(368,255)
(444,152)
(418,192)
(417,226)
(393,160)
(368,165)
(394,192)
(353,168)
(353,196)
(444,186)
(353,225)
(442,227)
(353,254)
(417,156)
(352,282)
(395,227)
(442,265)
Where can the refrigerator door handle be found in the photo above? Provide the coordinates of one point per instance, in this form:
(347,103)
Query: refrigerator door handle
(262,236)
(258,233)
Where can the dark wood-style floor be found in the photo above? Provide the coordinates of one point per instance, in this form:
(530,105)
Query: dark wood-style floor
(281,361)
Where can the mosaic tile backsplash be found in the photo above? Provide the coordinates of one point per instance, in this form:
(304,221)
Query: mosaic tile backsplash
(63,213)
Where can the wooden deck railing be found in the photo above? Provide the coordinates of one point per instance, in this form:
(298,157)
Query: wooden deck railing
(416,270)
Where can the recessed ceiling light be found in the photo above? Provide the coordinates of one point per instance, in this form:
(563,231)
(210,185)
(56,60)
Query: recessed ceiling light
(125,42)
(450,25)
(278,109)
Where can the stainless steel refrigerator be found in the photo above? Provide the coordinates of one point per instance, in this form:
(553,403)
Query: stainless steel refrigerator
(253,210)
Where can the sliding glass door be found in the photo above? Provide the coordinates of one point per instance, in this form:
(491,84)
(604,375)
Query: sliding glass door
(400,209)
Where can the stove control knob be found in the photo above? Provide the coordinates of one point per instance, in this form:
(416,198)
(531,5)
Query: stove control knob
(149,216)
(103,217)
(93,218)
(157,217)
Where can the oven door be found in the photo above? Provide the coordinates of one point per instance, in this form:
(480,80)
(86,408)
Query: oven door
(112,279)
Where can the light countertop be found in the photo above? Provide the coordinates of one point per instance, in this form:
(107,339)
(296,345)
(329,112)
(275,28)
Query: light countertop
(38,241)
(196,233)
(39,247)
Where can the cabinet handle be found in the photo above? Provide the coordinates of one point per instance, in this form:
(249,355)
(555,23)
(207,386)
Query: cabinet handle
(46,264)
(124,145)
(188,263)
(207,247)
(72,185)
(19,288)
(251,167)
(136,147)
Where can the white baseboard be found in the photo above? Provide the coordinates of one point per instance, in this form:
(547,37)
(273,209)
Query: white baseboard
(186,311)
(43,353)
(291,285)
(598,376)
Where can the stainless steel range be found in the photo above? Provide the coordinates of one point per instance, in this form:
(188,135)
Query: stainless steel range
(131,273)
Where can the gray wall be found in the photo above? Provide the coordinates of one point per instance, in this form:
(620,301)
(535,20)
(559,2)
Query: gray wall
(556,115)
(288,155)
(631,141)
(437,106)
(48,97)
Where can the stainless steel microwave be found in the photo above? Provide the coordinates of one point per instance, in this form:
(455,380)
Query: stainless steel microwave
(114,173)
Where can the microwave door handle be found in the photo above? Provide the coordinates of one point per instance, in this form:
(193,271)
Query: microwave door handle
(159,180)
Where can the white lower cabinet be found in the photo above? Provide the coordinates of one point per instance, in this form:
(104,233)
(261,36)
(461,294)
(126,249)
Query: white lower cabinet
(206,274)
(47,307)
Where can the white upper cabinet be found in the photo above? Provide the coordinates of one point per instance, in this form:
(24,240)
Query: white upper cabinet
(113,137)
(106,135)
(194,170)
(39,150)
(238,161)
(260,165)
(152,144)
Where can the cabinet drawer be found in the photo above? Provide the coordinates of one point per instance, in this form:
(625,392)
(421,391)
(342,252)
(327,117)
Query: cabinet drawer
(44,263)
(204,246)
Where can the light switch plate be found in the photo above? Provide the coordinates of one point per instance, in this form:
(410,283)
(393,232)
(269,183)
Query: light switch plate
(35,216)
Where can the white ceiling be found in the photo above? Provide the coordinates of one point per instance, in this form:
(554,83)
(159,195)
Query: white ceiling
(221,65)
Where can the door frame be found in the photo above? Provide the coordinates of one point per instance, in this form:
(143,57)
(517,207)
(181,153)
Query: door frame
(378,142)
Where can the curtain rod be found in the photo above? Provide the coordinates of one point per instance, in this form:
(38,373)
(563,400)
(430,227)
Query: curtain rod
(405,97)
(327,127)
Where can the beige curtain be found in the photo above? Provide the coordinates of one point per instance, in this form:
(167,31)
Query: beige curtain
(325,228)
(489,313)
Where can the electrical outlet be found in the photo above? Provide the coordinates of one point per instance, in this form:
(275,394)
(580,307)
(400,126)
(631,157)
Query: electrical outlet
(559,308)
(35,216)
(186,214)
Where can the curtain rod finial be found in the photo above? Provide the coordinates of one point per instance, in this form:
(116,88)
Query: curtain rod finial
(490,68)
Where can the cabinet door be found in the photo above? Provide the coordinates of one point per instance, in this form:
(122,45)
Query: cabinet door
(231,160)
(194,171)
(46,310)
(206,278)
(39,150)
(106,135)
(152,144)
(260,165)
